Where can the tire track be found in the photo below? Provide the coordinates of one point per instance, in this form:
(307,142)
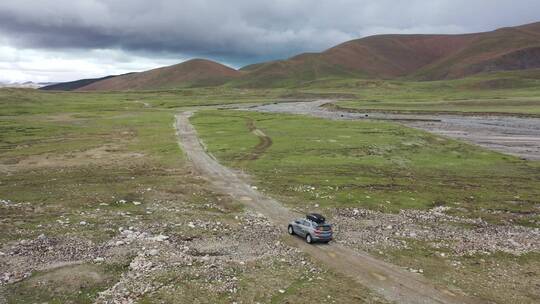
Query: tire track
(265,142)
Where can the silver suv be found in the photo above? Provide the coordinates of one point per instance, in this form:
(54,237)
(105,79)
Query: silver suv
(313,228)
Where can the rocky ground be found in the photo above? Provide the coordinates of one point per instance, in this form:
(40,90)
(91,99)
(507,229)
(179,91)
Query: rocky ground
(212,258)
(219,252)
(367,229)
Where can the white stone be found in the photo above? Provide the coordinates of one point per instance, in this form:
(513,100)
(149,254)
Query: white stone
(160,238)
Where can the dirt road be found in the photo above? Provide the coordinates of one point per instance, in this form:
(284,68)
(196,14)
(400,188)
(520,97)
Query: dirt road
(517,136)
(390,281)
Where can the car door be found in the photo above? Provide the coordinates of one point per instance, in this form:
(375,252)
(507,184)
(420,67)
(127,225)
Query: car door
(304,227)
(297,227)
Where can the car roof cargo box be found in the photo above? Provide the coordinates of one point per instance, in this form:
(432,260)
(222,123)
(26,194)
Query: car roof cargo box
(315,217)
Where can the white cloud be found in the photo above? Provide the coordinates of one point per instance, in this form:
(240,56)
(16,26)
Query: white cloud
(19,65)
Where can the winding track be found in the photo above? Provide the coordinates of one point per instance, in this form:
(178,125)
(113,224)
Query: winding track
(264,142)
(390,281)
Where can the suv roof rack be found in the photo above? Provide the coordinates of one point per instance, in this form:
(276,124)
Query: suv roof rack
(315,217)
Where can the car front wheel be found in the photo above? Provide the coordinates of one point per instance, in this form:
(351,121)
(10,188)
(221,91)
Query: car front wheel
(309,240)
(291,231)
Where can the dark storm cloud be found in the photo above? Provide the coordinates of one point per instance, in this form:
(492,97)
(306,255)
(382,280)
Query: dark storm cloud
(238,29)
(234,31)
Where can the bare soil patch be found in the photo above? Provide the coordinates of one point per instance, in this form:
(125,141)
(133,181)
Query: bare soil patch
(106,154)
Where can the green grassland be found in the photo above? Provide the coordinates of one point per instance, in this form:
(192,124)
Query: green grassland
(503,92)
(67,153)
(371,164)
(514,92)
(69,156)
(314,164)
(72,157)
(497,278)
(26,101)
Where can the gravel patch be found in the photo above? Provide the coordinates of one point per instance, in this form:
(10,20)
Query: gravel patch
(369,229)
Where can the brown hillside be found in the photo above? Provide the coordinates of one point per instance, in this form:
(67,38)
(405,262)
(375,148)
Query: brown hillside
(390,56)
(501,50)
(427,57)
(196,72)
(417,57)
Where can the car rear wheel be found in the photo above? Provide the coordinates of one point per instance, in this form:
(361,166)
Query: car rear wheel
(309,240)
(290,230)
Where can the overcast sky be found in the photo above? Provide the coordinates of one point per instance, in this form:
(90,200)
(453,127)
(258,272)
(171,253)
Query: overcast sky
(60,40)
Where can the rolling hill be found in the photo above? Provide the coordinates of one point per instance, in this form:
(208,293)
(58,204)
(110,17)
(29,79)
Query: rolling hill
(73,85)
(410,57)
(416,57)
(192,73)
(506,49)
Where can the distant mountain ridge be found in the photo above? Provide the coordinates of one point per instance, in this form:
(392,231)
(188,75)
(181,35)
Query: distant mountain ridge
(414,57)
(195,72)
(73,85)
(27,84)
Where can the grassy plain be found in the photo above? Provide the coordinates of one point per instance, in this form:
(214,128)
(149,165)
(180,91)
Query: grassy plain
(68,158)
(317,164)
(504,92)
(72,167)
(374,165)
(512,92)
